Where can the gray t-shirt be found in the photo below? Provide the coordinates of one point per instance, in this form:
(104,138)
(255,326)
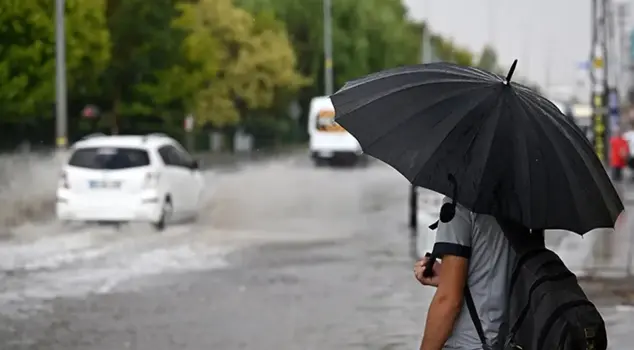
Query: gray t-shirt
(480,239)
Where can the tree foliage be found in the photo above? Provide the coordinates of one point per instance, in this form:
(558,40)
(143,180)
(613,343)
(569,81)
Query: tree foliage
(228,62)
(243,60)
(27,54)
(145,53)
(362,42)
(488,59)
(368,36)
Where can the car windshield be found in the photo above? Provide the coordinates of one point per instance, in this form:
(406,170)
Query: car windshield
(109,158)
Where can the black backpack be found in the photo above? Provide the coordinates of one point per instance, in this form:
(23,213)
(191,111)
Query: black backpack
(546,309)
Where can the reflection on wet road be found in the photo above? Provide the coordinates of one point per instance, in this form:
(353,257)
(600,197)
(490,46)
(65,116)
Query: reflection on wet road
(335,272)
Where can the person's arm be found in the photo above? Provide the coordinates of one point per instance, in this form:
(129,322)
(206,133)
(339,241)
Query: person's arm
(446,304)
(453,245)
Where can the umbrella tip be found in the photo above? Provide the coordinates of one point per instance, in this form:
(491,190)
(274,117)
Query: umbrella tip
(510,73)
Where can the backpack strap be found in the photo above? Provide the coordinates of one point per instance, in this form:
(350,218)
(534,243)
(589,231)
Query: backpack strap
(475,318)
(522,240)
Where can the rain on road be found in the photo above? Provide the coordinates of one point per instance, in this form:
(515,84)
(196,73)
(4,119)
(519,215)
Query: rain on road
(284,256)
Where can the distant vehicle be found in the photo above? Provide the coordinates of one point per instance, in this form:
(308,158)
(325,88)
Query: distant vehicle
(118,179)
(328,140)
(582,116)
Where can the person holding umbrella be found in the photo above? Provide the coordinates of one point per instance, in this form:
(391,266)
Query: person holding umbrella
(511,165)
(474,249)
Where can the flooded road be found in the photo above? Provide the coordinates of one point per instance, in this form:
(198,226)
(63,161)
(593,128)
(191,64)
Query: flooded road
(284,256)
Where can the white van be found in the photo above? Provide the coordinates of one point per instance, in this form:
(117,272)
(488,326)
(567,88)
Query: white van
(328,140)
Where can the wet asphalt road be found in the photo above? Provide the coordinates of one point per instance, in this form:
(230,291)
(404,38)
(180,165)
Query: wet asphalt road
(284,256)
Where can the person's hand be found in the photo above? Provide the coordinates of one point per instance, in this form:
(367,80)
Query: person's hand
(419,268)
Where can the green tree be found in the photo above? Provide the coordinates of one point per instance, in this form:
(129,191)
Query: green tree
(488,59)
(363,45)
(27,54)
(243,60)
(368,36)
(143,77)
(447,51)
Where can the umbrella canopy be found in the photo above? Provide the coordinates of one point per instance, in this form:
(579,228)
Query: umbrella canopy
(495,146)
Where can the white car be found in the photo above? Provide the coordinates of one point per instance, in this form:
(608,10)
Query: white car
(121,179)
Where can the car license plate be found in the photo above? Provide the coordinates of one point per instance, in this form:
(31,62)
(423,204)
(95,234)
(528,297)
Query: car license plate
(104,184)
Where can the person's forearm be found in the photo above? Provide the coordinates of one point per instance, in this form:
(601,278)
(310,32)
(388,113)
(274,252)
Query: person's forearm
(440,321)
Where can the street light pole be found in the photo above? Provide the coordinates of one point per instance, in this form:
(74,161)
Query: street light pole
(61,126)
(328,74)
(620,44)
(426,56)
(598,79)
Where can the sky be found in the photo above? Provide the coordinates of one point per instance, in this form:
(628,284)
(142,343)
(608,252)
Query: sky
(549,38)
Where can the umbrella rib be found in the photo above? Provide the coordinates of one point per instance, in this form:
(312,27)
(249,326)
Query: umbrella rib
(408,87)
(406,119)
(406,70)
(568,130)
(419,170)
(488,153)
(480,72)
(562,159)
(564,131)
(525,157)
(529,177)
(530,104)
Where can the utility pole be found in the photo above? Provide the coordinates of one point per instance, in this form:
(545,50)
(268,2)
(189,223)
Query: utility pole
(426,56)
(328,74)
(600,61)
(491,19)
(626,54)
(599,78)
(61,114)
(548,76)
(622,14)
(612,66)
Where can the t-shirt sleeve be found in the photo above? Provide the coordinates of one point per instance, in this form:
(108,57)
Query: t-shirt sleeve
(454,237)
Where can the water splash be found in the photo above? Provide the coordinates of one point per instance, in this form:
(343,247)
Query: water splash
(27,187)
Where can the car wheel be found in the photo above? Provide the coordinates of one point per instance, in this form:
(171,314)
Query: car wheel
(320,162)
(166,212)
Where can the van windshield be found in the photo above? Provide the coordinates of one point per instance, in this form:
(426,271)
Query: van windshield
(326,121)
(109,158)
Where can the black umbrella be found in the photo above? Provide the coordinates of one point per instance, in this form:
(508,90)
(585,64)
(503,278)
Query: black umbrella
(496,147)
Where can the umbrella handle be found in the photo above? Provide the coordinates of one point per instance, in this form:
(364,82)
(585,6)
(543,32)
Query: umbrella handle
(448,210)
(454,182)
(429,266)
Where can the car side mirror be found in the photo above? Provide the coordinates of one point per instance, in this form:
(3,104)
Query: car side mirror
(194,165)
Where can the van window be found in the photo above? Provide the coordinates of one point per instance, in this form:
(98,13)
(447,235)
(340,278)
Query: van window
(109,158)
(326,121)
